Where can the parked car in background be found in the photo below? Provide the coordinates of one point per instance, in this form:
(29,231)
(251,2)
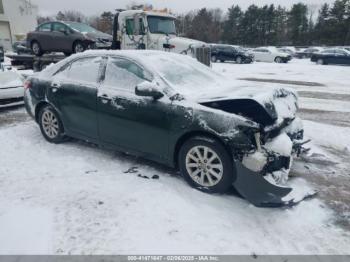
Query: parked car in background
(332,56)
(66,37)
(2,54)
(174,110)
(270,54)
(308,52)
(286,50)
(224,53)
(20,47)
(11,89)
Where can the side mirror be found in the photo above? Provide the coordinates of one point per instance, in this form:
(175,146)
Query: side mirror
(148,89)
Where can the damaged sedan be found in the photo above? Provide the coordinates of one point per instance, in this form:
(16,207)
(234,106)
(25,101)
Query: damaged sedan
(171,109)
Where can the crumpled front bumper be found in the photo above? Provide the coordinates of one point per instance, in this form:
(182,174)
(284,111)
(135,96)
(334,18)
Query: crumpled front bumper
(273,158)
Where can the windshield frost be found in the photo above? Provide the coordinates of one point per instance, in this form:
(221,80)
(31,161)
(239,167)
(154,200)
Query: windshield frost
(161,25)
(185,74)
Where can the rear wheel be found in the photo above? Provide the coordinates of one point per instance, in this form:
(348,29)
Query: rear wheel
(320,61)
(36,49)
(50,125)
(278,60)
(239,60)
(206,165)
(78,47)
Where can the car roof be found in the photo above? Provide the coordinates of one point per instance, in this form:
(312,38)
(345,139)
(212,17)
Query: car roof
(139,56)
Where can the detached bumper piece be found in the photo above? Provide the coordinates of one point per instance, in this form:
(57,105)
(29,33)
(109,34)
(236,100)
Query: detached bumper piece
(258,191)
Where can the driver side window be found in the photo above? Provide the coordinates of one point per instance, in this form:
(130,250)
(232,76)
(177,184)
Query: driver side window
(124,74)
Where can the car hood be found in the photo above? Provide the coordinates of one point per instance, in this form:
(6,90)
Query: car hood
(266,107)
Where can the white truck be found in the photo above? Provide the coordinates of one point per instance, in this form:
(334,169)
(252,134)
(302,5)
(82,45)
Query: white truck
(154,30)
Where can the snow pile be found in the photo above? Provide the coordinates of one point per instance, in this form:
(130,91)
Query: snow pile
(328,136)
(85,203)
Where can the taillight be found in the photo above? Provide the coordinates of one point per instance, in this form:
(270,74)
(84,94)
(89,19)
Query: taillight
(27,84)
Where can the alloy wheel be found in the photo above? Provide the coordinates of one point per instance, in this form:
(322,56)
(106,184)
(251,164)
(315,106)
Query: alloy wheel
(78,48)
(204,166)
(36,48)
(50,124)
(278,60)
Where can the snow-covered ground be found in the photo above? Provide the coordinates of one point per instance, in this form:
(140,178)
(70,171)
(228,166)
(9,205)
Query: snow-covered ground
(75,198)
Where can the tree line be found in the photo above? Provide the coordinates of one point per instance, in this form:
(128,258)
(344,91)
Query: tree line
(300,25)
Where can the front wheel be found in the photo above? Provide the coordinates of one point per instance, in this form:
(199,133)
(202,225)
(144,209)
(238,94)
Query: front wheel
(50,125)
(78,47)
(206,165)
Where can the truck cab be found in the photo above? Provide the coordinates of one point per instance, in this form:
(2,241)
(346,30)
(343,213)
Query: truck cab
(154,30)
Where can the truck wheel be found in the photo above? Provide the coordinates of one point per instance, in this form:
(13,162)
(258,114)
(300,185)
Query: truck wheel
(50,125)
(214,59)
(239,60)
(206,165)
(36,49)
(78,47)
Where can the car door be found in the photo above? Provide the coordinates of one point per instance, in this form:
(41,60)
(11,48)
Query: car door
(74,93)
(43,36)
(341,57)
(60,39)
(140,124)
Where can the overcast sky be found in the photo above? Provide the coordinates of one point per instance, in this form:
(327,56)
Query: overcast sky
(95,7)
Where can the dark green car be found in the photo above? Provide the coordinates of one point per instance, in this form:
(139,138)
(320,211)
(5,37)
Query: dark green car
(173,110)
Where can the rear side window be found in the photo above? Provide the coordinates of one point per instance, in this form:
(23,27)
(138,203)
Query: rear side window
(58,27)
(124,74)
(82,70)
(45,27)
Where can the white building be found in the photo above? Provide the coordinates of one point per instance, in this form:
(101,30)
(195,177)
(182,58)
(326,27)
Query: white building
(17,18)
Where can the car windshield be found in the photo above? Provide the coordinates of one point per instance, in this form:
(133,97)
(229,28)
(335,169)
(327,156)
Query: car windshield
(82,28)
(184,74)
(161,25)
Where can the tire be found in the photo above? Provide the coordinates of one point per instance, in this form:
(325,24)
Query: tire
(214,59)
(278,60)
(78,47)
(239,60)
(199,173)
(36,48)
(50,125)
(320,61)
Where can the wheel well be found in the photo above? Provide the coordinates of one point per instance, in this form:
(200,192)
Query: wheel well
(33,41)
(189,135)
(38,108)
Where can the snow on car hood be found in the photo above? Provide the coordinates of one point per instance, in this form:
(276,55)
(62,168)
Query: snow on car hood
(10,79)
